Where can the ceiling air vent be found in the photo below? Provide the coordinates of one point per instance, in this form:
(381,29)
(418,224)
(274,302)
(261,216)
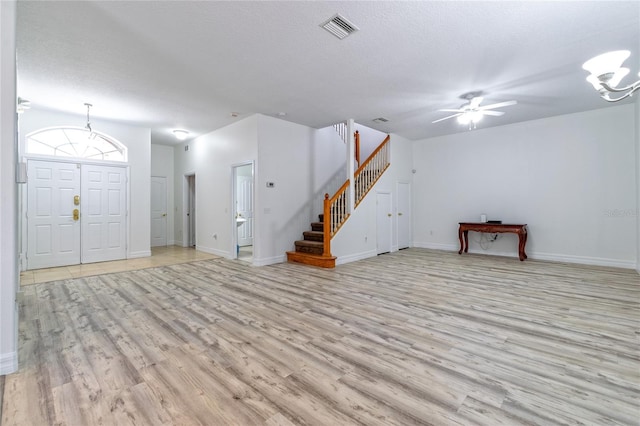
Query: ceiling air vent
(380,120)
(339,26)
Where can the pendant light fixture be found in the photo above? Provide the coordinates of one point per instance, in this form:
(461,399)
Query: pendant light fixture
(88,126)
(606,72)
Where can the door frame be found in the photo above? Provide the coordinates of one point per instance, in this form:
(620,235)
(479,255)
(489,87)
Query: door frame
(186,198)
(23,199)
(232,215)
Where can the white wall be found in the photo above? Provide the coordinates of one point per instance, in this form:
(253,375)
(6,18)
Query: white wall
(8,207)
(138,142)
(327,167)
(637,121)
(358,236)
(286,158)
(571,178)
(210,157)
(370,139)
(162,165)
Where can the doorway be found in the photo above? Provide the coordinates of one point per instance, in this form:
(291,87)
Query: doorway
(242,200)
(76,213)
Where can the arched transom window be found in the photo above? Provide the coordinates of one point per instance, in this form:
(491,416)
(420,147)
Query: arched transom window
(75,142)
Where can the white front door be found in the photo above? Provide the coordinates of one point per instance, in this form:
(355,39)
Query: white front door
(404,215)
(104,213)
(383,222)
(75,213)
(158,211)
(53,234)
(244,200)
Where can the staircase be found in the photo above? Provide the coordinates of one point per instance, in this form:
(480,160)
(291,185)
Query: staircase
(309,251)
(315,249)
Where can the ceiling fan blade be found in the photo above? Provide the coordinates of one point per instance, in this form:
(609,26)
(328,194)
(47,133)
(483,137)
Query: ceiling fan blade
(494,113)
(498,105)
(448,117)
(451,110)
(475,102)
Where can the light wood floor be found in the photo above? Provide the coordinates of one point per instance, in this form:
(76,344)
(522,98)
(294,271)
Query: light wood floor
(160,256)
(413,337)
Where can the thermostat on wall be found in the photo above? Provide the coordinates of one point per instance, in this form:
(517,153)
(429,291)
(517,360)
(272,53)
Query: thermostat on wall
(270,184)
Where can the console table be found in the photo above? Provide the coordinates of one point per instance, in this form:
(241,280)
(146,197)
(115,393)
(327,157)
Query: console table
(492,228)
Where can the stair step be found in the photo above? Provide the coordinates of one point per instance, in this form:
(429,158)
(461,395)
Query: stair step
(311,259)
(313,247)
(321,217)
(317,226)
(313,236)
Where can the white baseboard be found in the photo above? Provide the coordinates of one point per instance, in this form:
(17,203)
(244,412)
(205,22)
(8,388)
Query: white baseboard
(269,260)
(215,251)
(8,363)
(341,260)
(553,257)
(584,260)
(137,254)
(437,246)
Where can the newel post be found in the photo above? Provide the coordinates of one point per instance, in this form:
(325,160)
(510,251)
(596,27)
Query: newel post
(350,164)
(326,227)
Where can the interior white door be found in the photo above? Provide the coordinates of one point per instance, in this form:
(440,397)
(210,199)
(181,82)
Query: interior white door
(104,213)
(53,234)
(158,211)
(383,222)
(191,212)
(244,200)
(404,215)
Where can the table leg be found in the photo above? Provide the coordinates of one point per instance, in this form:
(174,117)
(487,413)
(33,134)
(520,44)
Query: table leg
(522,241)
(466,241)
(461,242)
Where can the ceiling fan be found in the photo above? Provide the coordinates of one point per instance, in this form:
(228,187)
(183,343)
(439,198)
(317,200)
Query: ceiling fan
(471,112)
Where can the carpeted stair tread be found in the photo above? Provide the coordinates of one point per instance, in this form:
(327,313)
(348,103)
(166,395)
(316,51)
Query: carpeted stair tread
(313,236)
(317,226)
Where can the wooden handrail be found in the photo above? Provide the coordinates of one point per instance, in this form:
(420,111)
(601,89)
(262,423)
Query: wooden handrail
(373,154)
(335,207)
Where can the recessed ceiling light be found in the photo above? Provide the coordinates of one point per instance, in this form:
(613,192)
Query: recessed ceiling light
(282,114)
(181,134)
(380,120)
(235,114)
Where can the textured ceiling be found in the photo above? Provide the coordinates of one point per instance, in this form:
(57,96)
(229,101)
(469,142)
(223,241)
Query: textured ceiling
(168,65)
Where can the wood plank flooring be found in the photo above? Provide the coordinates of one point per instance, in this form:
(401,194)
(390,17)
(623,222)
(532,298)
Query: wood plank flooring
(413,337)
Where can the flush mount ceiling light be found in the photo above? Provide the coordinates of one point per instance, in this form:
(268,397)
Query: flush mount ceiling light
(606,72)
(181,134)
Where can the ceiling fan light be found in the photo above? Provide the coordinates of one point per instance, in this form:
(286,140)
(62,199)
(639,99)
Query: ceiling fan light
(476,116)
(180,134)
(606,63)
(464,118)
